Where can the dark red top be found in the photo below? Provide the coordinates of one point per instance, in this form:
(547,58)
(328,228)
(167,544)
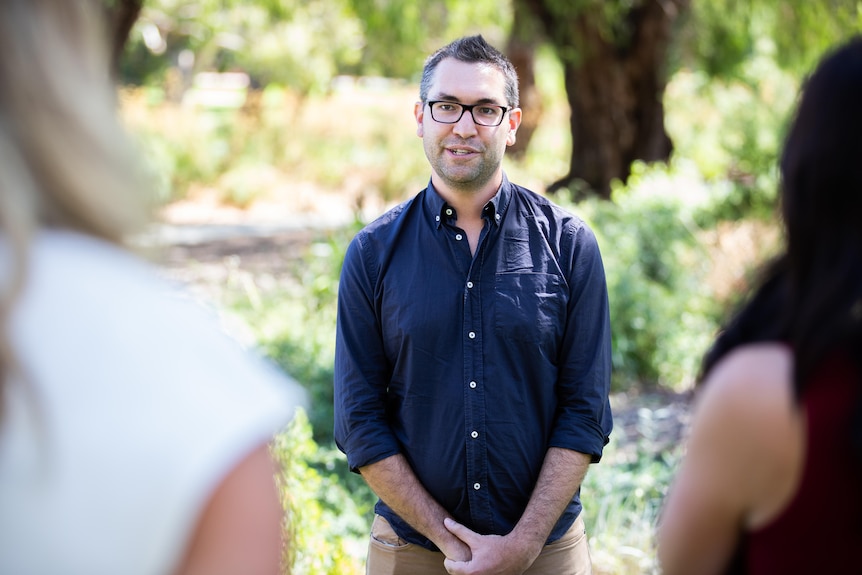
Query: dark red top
(820,531)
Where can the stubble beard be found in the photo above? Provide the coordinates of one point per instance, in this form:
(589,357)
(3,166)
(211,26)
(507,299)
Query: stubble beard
(465,178)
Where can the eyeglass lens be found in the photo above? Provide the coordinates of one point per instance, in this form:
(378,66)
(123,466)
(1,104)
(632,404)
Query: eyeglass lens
(451,112)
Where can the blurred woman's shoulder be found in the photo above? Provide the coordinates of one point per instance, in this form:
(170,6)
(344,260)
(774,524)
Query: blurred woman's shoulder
(748,403)
(134,405)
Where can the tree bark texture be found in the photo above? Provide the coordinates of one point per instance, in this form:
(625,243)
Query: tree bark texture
(521,51)
(615,76)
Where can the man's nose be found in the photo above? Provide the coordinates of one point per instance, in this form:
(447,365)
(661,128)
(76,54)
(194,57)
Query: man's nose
(465,126)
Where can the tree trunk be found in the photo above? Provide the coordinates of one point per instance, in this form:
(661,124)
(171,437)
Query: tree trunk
(521,51)
(121,17)
(614,85)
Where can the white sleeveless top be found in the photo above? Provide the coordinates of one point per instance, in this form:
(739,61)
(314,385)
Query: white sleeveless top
(133,409)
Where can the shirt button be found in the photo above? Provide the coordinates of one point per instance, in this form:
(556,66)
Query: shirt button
(472,335)
(474,435)
(448,211)
(497,217)
(472,385)
(458,237)
(469,285)
(477,487)
(437,218)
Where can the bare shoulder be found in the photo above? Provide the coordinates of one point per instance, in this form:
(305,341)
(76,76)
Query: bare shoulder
(763,368)
(751,386)
(747,408)
(741,464)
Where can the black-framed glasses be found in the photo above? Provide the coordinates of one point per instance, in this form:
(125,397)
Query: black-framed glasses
(489,115)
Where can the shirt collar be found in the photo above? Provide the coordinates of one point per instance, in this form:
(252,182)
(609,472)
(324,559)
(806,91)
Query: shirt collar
(439,211)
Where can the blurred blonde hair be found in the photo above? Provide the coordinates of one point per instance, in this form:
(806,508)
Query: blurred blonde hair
(65,161)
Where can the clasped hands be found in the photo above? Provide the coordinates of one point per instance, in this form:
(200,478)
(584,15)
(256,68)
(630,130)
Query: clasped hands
(490,554)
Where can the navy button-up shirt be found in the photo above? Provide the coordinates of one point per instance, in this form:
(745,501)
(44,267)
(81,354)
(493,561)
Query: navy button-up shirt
(472,366)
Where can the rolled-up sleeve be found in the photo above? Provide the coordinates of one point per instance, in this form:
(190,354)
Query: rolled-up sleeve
(584,420)
(362,370)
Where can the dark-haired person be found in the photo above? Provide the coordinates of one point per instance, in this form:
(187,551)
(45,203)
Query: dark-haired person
(473,349)
(134,435)
(772,479)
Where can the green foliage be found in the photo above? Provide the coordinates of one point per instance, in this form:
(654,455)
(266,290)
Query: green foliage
(304,49)
(721,35)
(292,322)
(399,23)
(328,525)
(733,129)
(300,43)
(803,30)
(329,508)
(418,28)
(295,324)
(662,313)
(196,148)
(622,501)
(244,154)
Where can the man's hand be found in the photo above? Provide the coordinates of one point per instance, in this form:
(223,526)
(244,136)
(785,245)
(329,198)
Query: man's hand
(393,480)
(456,550)
(491,554)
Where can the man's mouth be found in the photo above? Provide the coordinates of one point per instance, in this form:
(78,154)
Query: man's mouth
(461,151)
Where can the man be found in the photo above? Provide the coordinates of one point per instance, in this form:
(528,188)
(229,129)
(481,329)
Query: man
(473,349)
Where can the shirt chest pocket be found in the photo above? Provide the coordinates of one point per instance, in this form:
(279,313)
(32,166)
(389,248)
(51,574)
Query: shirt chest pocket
(529,307)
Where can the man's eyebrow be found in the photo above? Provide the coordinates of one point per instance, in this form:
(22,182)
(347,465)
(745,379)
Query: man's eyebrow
(455,99)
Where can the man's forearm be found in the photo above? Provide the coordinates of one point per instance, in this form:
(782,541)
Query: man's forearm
(394,481)
(559,479)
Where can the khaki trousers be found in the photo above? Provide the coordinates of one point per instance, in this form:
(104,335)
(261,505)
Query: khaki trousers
(388,554)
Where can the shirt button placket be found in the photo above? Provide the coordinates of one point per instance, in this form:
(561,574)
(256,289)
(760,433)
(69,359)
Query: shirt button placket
(477,458)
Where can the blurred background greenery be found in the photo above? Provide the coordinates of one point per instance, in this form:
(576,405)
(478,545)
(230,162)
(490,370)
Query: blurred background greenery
(307,105)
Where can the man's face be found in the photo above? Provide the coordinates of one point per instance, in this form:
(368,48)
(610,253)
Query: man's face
(464,156)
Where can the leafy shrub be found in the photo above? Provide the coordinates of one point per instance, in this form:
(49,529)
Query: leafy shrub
(622,501)
(294,325)
(329,508)
(662,312)
(732,130)
(327,525)
(281,137)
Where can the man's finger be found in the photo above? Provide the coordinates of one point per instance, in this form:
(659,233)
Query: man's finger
(461,532)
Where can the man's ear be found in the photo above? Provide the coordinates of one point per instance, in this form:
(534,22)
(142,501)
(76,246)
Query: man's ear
(514,122)
(419,113)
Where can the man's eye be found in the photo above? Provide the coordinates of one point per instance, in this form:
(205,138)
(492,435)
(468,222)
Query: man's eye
(488,111)
(446,107)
